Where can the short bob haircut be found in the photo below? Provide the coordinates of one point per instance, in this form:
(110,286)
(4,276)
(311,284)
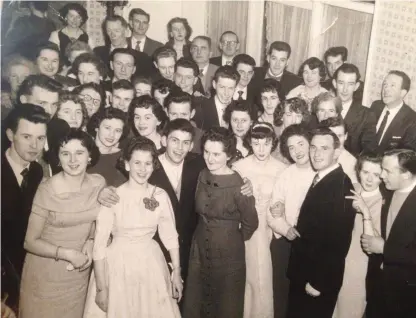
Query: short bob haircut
(293,130)
(32,113)
(146,101)
(180,124)
(91,59)
(94,86)
(313,63)
(143,144)
(185,24)
(76,7)
(326,97)
(107,113)
(264,131)
(296,105)
(367,156)
(71,96)
(15,60)
(86,140)
(270,85)
(222,135)
(227,71)
(239,106)
(406,159)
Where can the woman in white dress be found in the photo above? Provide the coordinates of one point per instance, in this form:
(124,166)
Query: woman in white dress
(132,277)
(352,296)
(263,170)
(288,194)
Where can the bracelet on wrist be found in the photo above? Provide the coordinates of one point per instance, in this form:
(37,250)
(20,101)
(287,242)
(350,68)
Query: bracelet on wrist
(56,254)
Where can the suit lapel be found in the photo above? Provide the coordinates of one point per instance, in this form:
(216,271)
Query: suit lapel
(8,174)
(394,125)
(408,207)
(160,179)
(211,114)
(352,113)
(384,213)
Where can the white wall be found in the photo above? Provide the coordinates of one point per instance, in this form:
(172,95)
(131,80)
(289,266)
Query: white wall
(162,11)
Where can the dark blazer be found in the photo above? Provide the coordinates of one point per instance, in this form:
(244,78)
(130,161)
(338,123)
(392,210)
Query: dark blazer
(150,46)
(361,127)
(357,96)
(186,48)
(401,133)
(208,77)
(16,205)
(216,60)
(325,225)
(206,115)
(288,81)
(185,216)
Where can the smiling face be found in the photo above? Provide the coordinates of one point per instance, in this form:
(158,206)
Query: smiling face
(109,132)
(73,157)
(269,101)
(262,148)
(298,149)
(145,121)
(392,92)
(140,24)
(115,31)
(311,77)
(240,123)
(48,62)
(92,100)
(278,61)
(140,166)
(322,152)
(122,99)
(215,156)
(369,175)
(73,19)
(185,79)
(225,88)
(178,144)
(229,45)
(71,113)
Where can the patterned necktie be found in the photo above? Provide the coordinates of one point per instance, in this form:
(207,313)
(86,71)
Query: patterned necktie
(138,46)
(382,127)
(315,180)
(25,175)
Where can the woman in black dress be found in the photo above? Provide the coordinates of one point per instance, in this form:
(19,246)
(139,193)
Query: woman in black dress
(217,269)
(179,32)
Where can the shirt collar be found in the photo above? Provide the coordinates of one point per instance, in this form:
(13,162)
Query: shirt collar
(16,166)
(166,163)
(326,171)
(367,194)
(205,69)
(134,41)
(408,188)
(345,108)
(393,111)
(224,60)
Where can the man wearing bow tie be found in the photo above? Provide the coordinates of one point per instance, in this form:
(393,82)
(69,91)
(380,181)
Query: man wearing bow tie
(229,46)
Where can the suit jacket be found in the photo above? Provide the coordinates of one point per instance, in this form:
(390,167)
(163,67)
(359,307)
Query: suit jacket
(150,46)
(357,96)
(208,77)
(288,80)
(184,210)
(217,60)
(361,127)
(16,205)
(325,224)
(401,133)
(206,115)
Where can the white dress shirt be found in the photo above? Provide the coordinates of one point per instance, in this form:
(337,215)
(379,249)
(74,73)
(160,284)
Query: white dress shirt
(141,45)
(220,111)
(112,48)
(393,113)
(236,95)
(16,167)
(174,173)
(204,70)
(324,172)
(345,108)
(224,60)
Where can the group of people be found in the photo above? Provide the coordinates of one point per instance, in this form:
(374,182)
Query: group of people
(150,180)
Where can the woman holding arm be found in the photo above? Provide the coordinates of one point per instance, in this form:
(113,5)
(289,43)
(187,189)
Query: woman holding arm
(132,277)
(60,232)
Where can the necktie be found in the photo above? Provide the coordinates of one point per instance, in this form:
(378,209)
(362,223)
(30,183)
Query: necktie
(138,46)
(201,72)
(382,127)
(228,63)
(240,95)
(315,180)
(25,175)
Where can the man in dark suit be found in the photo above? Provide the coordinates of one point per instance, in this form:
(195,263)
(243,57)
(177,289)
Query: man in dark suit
(186,77)
(229,46)
(201,52)
(210,112)
(20,177)
(391,276)
(123,65)
(115,28)
(359,120)
(326,220)
(334,57)
(396,121)
(139,24)
(246,88)
(278,57)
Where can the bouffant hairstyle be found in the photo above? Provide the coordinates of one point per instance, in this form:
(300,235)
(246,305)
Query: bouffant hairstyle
(313,63)
(92,59)
(107,113)
(222,135)
(326,97)
(367,156)
(71,96)
(76,7)
(296,105)
(143,144)
(293,130)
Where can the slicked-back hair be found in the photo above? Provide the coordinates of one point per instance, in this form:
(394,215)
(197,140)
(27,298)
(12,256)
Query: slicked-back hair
(300,130)
(71,96)
(335,51)
(185,24)
(91,59)
(229,32)
(406,82)
(326,97)
(32,113)
(264,131)
(348,68)
(313,63)
(123,50)
(46,46)
(222,135)
(164,52)
(204,38)
(38,80)
(108,113)
(180,97)
(323,131)
(122,84)
(94,86)
(76,7)
(406,159)
(296,105)
(227,71)
(138,11)
(244,59)
(180,124)
(367,157)
(187,63)
(280,46)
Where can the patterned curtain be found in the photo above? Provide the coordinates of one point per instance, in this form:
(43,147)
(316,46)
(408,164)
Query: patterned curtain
(227,15)
(289,24)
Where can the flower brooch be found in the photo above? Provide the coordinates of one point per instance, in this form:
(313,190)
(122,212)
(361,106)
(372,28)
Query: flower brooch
(151,203)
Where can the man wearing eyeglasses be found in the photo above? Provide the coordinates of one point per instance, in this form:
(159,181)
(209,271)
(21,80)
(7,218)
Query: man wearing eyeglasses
(229,45)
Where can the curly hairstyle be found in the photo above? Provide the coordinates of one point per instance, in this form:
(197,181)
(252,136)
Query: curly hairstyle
(143,144)
(92,59)
(293,130)
(263,131)
(107,113)
(296,105)
(15,60)
(313,63)
(185,24)
(63,12)
(222,135)
(326,97)
(147,101)
(367,156)
(273,86)
(70,96)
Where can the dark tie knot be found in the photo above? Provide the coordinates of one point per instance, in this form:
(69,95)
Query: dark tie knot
(201,72)
(24,174)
